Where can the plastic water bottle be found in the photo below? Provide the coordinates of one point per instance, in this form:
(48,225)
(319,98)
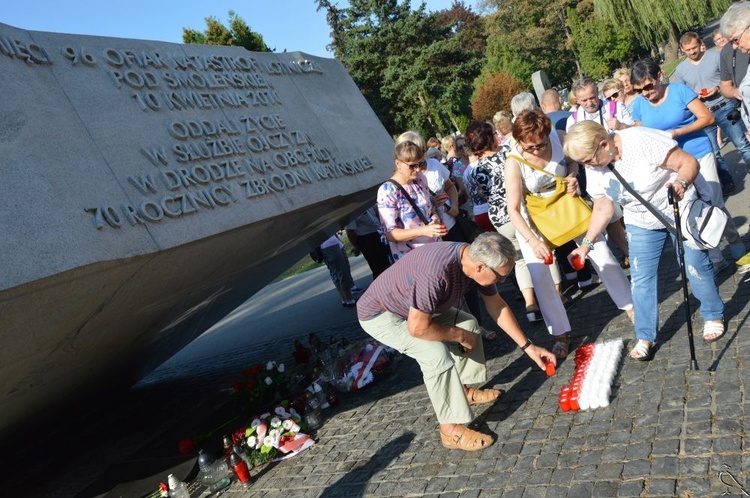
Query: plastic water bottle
(177,488)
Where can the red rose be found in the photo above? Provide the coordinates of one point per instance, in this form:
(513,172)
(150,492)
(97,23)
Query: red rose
(237,386)
(186,446)
(250,385)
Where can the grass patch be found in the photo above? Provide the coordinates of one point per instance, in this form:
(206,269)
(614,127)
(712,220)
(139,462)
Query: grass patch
(307,264)
(669,68)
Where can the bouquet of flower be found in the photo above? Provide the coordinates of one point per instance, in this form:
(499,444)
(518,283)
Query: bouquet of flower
(262,385)
(372,357)
(273,436)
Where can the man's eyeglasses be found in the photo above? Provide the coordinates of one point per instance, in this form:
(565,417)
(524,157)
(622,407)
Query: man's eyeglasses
(614,95)
(535,148)
(736,39)
(500,278)
(420,165)
(645,88)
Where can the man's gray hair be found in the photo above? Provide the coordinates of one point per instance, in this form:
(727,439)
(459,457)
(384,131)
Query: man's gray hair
(735,20)
(492,249)
(582,83)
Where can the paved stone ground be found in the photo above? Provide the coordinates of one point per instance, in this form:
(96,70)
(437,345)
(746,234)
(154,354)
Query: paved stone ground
(668,431)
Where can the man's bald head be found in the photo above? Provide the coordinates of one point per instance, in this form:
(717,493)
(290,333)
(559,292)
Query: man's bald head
(551,101)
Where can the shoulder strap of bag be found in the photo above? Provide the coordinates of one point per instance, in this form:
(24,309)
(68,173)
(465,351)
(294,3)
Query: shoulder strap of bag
(411,201)
(643,201)
(524,161)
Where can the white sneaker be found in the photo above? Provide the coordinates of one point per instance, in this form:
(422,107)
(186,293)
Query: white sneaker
(356,290)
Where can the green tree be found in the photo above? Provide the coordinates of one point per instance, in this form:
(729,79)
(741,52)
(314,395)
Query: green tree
(237,34)
(599,45)
(414,68)
(654,23)
(524,36)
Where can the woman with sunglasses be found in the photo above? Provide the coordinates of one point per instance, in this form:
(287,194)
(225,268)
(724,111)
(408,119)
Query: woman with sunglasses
(676,109)
(403,225)
(628,95)
(650,162)
(481,136)
(444,196)
(536,146)
(613,89)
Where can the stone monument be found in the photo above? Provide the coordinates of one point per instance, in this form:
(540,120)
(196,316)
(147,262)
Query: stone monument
(541,83)
(149,188)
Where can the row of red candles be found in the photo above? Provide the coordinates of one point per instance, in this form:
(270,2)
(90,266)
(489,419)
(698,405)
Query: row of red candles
(568,397)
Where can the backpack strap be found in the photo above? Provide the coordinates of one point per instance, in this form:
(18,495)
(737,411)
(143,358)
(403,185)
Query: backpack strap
(411,201)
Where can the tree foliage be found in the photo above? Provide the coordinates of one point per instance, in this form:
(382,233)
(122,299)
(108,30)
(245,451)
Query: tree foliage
(653,23)
(238,34)
(414,68)
(599,45)
(524,36)
(495,94)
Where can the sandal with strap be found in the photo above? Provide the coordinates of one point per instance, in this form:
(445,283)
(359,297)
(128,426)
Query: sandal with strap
(713,330)
(481,396)
(466,439)
(642,351)
(561,346)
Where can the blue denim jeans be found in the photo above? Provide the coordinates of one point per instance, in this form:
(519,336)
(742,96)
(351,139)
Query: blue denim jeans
(736,133)
(645,252)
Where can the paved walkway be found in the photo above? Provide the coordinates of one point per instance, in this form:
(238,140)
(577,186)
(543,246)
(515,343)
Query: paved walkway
(668,431)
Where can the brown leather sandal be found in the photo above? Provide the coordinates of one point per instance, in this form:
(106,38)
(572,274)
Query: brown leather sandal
(480,396)
(466,439)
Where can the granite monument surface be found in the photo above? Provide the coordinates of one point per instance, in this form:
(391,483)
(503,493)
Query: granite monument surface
(149,188)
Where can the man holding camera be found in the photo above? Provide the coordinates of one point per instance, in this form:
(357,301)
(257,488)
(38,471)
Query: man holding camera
(701,72)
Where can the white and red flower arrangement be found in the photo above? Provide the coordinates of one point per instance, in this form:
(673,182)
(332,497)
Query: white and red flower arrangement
(273,436)
(372,357)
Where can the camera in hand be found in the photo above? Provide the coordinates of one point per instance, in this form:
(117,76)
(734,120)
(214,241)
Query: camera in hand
(734,115)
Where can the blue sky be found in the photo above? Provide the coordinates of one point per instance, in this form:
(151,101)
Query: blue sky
(284,24)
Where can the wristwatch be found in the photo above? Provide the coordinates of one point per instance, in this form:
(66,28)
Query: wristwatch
(682,182)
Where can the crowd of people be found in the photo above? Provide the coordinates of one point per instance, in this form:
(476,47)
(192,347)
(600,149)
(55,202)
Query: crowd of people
(626,143)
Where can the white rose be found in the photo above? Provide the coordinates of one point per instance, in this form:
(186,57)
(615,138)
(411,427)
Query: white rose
(270,365)
(289,425)
(268,381)
(268,441)
(281,368)
(274,433)
(275,422)
(252,442)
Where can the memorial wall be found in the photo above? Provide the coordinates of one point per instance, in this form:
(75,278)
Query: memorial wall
(148,188)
